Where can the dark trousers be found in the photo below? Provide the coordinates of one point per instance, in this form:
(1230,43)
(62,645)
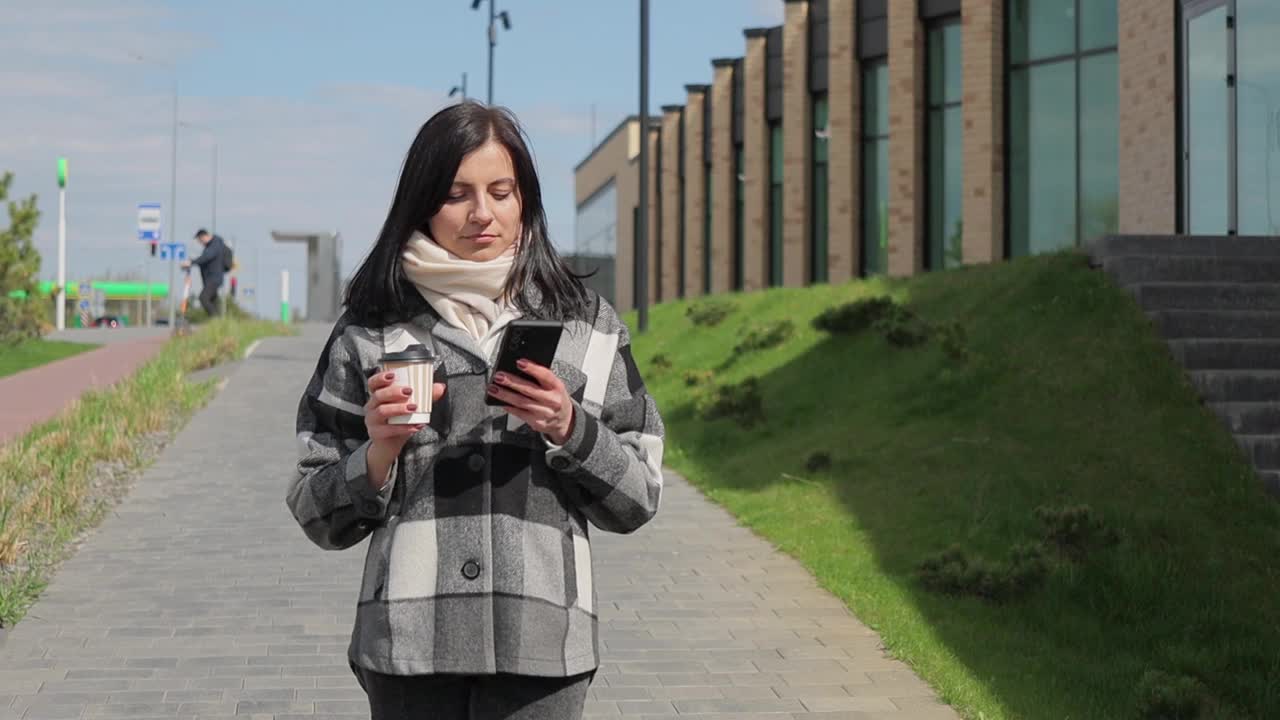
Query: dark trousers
(474,697)
(209,299)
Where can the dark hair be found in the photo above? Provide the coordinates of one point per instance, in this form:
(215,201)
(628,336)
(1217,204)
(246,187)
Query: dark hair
(379,293)
(200,232)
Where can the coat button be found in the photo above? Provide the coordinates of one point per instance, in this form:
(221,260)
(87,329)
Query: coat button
(559,462)
(471,570)
(475,463)
(371,507)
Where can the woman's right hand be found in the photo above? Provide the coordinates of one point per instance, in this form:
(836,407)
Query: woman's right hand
(385,402)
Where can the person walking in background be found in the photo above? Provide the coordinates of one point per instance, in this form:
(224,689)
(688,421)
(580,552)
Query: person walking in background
(213,265)
(478,600)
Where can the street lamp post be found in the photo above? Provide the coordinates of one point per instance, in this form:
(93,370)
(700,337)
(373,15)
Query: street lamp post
(460,88)
(173,185)
(493,37)
(642,242)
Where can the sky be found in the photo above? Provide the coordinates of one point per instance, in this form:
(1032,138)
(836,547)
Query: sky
(312,105)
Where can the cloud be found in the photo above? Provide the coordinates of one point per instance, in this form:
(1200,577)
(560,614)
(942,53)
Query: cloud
(102,32)
(326,158)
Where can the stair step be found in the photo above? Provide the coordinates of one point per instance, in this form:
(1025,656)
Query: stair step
(1133,269)
(1208,324)
(1249,418)
(1154,297)
(1233,354)
(1199,245)
(1262,450)
(1231,386)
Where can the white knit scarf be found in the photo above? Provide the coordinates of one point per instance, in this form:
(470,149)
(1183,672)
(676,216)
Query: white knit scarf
(466,293)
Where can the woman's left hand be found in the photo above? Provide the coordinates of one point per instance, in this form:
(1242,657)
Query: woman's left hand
(544,406)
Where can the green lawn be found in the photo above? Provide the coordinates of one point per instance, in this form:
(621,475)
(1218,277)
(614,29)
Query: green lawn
(1068,398)
(15,359)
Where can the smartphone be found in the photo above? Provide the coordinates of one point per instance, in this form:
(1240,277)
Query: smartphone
(533,340)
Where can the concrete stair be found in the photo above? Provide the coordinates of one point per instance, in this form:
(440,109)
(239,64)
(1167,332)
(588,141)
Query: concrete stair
(1216,301)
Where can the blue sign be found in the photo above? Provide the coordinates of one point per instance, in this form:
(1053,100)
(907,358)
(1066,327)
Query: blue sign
(149,222)
(84,304)
(173,251)
(84,290)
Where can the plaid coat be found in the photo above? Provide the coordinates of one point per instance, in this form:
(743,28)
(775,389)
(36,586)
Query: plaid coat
(479,560)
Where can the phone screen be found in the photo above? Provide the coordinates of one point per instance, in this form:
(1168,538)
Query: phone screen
(534,340)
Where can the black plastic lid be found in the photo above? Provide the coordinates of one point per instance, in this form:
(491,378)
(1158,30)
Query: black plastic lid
(413,353)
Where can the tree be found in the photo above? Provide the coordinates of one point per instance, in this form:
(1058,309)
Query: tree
(19,268)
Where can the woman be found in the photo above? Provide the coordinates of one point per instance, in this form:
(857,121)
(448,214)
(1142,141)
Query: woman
(477,599)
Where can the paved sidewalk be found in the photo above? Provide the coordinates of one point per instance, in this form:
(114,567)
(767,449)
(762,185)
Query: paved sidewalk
(200,598)
(36,395)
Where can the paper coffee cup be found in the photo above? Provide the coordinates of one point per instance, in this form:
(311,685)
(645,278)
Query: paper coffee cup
(414,367)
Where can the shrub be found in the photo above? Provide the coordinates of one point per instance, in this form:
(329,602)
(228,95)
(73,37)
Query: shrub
(765,336)
(818,461)
(853,317)
(951,572)
(1074,531)
(709,313)
(902,327)
(693,378)
(741,402)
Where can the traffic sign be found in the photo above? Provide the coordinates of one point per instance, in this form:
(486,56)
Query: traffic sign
(84,304)
(173,251)
(84,290)
(149,222)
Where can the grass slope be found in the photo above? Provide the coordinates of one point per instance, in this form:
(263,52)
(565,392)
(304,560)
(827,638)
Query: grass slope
(1067,398)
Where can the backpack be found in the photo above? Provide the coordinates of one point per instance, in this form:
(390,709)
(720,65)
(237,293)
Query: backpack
(228,261)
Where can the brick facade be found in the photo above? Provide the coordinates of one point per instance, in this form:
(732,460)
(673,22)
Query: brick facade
(844,236)
(723,182)
(1148,117)
(755,166)
(797,145)
(694,190)
(1147,124)
(670,262)
(612,161)
(982,52)
(906,140)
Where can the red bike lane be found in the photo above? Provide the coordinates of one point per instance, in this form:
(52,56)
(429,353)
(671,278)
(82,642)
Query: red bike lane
(39,394)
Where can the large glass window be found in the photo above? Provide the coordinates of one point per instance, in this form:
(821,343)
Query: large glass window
(739,215)
(818,204)
(875,168)
(1063,123)
(775,203)
(1206,137)
(1258,116)
(595,238)
(945,148)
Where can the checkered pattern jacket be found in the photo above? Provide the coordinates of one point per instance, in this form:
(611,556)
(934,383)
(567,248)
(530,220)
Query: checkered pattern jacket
(479,558)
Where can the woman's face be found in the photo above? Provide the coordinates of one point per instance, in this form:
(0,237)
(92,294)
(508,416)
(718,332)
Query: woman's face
(480,219)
